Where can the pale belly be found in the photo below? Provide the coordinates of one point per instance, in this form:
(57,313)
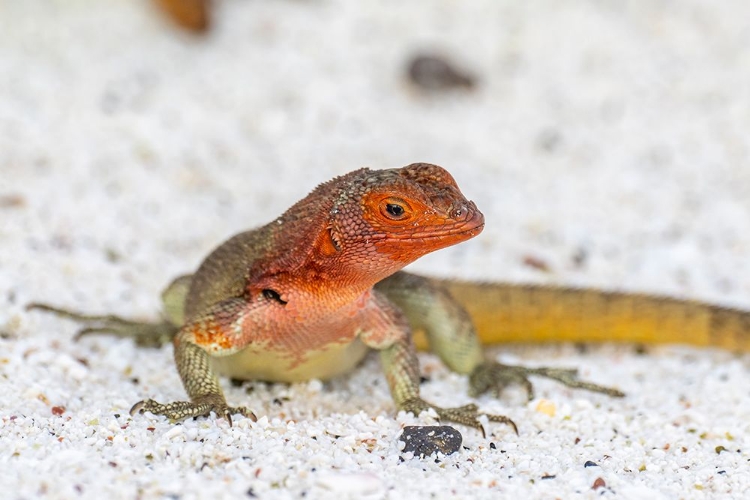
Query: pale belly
(250,364)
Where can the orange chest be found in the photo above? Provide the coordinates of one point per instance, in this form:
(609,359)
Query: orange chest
(294,331)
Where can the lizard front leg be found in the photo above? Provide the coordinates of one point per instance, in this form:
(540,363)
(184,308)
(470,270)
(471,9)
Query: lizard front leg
(401,367)
(388,331)
(452,336)
(215,331)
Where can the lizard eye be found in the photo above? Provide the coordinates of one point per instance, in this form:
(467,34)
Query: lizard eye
(395,209)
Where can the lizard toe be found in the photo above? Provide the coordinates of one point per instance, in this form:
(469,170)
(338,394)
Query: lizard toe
(467,415)
(495,376)
(180,410)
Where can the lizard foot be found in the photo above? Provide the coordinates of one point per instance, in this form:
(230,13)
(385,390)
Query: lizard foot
(467,415)
(494,376)
(144,334)
(180,410)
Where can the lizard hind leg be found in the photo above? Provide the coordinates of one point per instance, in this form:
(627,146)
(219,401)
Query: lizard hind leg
(494,376)
(143,333)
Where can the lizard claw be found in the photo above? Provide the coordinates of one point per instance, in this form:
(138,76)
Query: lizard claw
(180,410)
(467,415)
(495,376)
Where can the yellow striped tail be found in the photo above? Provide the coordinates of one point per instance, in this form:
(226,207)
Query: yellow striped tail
(527,313)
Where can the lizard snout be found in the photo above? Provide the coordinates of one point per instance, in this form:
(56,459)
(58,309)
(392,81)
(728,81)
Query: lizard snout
(465,211)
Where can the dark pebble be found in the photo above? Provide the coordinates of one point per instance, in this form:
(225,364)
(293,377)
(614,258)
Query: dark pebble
(424,440)
(435,73)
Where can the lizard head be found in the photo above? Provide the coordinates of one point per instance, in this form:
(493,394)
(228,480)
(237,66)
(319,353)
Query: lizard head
(386,219)
(359,228)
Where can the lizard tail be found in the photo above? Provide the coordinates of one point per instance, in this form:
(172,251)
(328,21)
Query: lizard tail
(518,313)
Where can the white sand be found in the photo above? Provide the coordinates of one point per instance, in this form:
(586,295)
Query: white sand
(133,149)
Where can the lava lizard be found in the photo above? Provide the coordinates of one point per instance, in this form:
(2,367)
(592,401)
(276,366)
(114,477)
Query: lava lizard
(307,295)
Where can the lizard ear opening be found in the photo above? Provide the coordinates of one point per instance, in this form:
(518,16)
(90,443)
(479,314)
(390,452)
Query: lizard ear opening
(328,242)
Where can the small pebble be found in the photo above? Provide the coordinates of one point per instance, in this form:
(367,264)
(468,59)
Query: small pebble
(424,440)
(536,263)
(547,407)
(190,15)
(432,72)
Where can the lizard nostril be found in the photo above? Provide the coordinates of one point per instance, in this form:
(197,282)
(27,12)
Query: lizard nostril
(460,212)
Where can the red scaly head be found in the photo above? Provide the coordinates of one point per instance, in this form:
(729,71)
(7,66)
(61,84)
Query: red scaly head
(361,227)
(389,218)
